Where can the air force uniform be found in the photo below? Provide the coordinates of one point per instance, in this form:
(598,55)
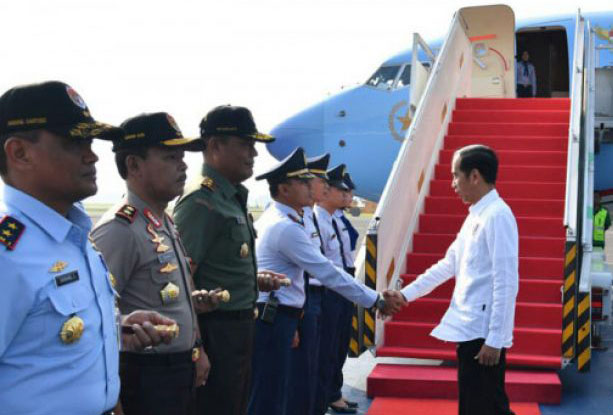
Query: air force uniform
(305,358)
(59,340)
(284,247)
(59,345)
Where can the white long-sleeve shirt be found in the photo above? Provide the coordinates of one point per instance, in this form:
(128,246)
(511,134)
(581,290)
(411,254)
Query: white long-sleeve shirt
(523,78)
(484,260)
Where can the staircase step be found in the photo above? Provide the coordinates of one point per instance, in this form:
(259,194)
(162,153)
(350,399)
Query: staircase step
(553,208)
(528,341)
(530,290)
(538,268)
(449,355)
(515,129)
(512,116)
(403,406)
(527,315)
(514,174)
(513,104)
(498,142)
(526,190)
(435,243)
(527,226)
(411,381)
(519,158)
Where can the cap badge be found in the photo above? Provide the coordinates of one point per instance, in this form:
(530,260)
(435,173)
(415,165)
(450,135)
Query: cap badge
(173,123)
(244,252)
(75,98)
(169,293)
(72,330)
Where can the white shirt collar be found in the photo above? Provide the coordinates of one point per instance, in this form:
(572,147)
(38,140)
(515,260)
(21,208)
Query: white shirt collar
(484,202)
(286,209)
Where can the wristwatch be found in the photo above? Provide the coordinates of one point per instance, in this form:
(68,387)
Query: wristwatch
(380,303)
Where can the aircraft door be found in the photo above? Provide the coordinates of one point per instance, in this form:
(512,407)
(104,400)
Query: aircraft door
(491,30)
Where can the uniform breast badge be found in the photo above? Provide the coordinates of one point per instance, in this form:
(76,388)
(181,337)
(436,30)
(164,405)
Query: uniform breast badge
(72,330)
(157,240)
(244,252)
(58,266)
(170,293)
(168,268)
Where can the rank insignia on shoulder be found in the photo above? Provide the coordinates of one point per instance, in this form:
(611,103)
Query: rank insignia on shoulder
(208,183)
(295,219)
(127,212)
(10,232)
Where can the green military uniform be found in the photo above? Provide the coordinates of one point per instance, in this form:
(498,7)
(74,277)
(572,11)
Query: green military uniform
(602,222)
(219,237)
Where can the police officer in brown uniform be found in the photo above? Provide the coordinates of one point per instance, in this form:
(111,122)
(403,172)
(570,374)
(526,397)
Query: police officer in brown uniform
(144,252)
(219,236)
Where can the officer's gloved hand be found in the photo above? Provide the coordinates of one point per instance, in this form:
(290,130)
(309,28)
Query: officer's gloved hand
(143,328)
(271,281)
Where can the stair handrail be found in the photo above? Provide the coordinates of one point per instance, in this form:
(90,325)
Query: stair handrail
(574,133)
(397,213)
(588,163)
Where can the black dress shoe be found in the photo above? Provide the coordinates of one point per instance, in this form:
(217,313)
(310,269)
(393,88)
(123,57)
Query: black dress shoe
(351,404)
(343,409)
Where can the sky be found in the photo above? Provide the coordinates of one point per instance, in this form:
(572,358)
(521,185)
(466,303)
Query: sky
(275,57)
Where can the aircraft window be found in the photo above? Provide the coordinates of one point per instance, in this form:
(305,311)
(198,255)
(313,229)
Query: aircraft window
(405,77)
(384,77)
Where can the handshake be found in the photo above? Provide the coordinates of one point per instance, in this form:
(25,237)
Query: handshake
(390,302)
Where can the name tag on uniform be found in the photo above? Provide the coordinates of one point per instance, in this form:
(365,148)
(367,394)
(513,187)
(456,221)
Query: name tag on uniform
(166,257)
(66,278)
(241,220)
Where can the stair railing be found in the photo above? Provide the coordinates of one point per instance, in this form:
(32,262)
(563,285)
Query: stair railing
(397,214)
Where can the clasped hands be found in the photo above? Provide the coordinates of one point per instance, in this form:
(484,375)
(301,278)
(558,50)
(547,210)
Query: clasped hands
(394,301)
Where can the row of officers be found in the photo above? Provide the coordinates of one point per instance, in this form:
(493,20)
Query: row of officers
(189,311)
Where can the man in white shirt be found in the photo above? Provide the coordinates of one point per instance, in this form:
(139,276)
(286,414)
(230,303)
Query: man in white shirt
(484,260)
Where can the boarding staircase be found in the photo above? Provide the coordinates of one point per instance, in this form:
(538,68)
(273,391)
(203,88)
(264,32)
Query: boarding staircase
(542,172)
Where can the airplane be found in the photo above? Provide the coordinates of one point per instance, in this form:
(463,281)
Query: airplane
(364,126)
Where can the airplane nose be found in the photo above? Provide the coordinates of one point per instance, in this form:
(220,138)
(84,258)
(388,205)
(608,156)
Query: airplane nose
(305,129)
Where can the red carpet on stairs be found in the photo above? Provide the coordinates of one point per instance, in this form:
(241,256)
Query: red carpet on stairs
(400,406)
(530,137)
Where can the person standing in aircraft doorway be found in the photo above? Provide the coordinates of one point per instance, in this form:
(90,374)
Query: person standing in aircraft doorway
(484,260)
(525,77)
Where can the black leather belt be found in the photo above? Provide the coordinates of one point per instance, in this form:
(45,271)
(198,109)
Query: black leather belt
(317,288)
(157,359)
(228,315)
(111,412)
(290,311)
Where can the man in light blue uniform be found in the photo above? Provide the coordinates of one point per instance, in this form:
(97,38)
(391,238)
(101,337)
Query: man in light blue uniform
(59,338)
(284,247)
(305,356)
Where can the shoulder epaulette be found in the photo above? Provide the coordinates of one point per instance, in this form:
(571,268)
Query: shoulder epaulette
(10,232)
(127,212)
(208,183)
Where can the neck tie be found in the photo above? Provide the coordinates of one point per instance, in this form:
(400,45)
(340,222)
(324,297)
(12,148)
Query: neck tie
(340,241)
(353,233)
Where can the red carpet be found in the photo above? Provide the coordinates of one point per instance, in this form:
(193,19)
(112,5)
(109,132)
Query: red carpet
(399,406)
(530,138)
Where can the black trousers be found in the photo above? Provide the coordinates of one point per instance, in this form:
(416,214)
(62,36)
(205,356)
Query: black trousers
(481,387)
(228,341)
(524,91)
(156,384)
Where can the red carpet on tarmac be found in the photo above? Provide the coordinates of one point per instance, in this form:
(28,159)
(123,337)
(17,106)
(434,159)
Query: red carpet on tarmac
(399,406)
(530,137)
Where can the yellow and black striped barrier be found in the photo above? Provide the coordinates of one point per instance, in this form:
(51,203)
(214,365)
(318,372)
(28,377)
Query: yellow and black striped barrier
(354,341)
(569,296)
(584,338)
(370,279)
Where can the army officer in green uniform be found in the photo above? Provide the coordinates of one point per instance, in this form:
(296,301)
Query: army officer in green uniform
(219,237)
(143,251)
